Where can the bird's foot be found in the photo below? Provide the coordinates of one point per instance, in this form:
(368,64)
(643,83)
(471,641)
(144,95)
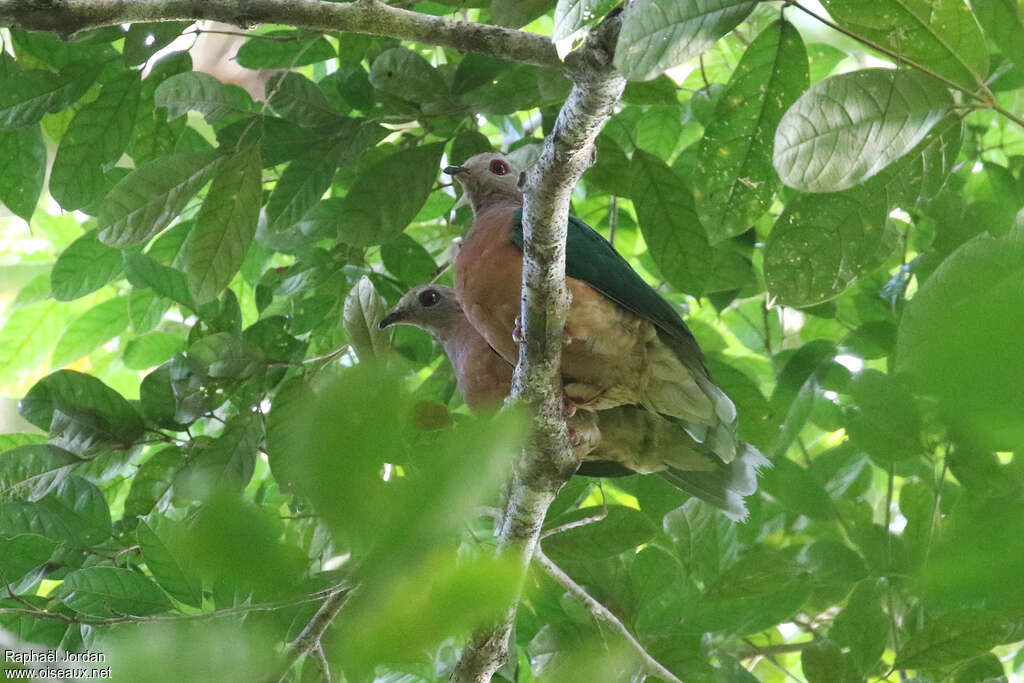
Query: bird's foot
(517,331)
(568,406)
(519,338)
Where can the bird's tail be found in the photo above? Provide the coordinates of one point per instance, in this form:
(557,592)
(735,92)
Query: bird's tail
(725,486)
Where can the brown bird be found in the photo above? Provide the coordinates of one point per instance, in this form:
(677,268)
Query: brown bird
(624,343)
(613,442)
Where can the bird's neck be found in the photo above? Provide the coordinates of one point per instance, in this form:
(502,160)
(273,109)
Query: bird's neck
(498,198)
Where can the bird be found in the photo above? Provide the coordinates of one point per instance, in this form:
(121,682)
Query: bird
(614,442)
(623,343)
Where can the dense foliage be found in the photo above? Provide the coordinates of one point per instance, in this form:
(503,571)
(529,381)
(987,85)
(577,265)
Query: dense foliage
(217,437)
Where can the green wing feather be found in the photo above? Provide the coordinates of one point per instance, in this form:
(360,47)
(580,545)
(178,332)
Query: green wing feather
(591,258)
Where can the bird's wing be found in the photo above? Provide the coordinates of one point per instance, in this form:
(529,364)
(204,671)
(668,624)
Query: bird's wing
(591,258)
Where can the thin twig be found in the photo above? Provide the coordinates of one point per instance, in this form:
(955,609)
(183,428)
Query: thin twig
(309,639)
(604,615)
(576,524)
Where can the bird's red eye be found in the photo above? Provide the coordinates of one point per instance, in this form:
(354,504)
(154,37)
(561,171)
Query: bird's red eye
(429,297)
(499,167)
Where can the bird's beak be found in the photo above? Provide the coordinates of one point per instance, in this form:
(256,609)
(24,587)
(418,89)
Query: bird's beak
(455,170)
(390,319)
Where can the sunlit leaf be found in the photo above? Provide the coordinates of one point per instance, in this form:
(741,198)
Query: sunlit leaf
(940,34)
(849,127)
(658,34)
(85,266)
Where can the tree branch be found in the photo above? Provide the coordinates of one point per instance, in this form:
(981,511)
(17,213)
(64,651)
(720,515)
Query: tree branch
(605,615)
(310,637)
(369,17)
(548,462)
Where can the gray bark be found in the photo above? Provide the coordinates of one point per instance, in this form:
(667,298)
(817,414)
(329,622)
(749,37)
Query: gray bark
(549,462)
(370,17)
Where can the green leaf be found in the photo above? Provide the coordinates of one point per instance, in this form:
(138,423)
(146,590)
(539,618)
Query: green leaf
(195,90)
(152,480)
(99,324)
(953,340)
(1002,23)
(301,101)
(951,638)
(659,130)
(22,554)
(145,39)
(288,51)
(887,424)
(862,626)
(151,349)
(668,220)
(100,413)
(617,529)
(849,127)
(822,243)
(224,464)
(146,200)
(111,591)
(824,59)
(75,513)
(571,15)
(364,308)
(984,669)
(797,490)
(517,13)
(96,138)
(33,470)
(735,181)
(143,271)
(25,97)
(82,268)
(225,355)
(305,180)
(406,259)
(922,173)
(225,225)
(659,34)
(22,169)
(27,337)
(823,663)
(8,441)
(404,73)
(373,212)
(164,558)
(942,35)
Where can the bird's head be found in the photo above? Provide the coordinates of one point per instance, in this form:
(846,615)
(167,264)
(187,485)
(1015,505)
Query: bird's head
(431,307)
(487,178)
